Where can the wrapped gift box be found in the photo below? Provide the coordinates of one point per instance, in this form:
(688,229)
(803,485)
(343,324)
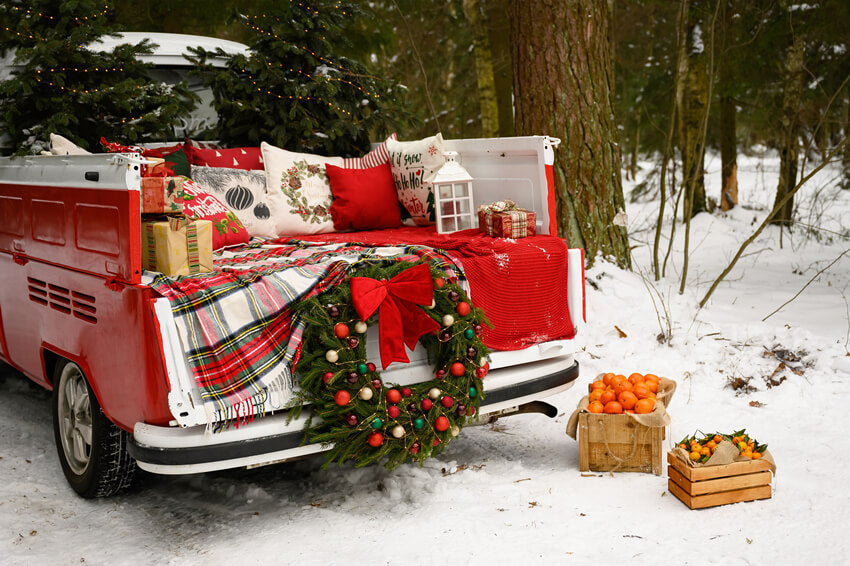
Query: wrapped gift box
(162,195)
(503,219)
(177,245)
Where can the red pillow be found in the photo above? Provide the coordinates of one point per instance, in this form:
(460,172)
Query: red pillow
(200,205)
(364,199)
(247,158)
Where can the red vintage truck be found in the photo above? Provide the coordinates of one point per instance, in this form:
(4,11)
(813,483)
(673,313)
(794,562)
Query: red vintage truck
(79,317)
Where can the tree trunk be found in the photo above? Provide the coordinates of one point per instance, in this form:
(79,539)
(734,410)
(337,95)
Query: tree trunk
(477,21)
(500,47)
(790,131)
(563,76)
(728,127)
(694,104)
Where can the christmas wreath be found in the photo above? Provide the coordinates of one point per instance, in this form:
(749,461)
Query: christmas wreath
(363,418)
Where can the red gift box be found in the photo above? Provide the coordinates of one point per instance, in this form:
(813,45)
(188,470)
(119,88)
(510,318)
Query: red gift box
(503,219)
(162,194)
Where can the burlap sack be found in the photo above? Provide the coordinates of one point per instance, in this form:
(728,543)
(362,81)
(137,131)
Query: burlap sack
(657,418)
(725,453)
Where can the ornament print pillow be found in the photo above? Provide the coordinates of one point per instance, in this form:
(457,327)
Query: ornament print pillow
(300,179)
(244,192)
(414,165)
(200,205)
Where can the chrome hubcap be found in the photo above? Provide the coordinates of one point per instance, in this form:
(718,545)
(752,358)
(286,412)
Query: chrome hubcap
(75,418)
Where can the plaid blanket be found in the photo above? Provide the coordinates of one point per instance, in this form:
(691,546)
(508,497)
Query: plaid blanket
(235,324)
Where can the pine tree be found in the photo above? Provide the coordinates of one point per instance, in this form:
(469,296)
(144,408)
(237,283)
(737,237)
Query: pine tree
(62,85)
(295,89)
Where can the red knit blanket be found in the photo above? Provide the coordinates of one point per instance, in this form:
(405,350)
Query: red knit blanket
(521,284)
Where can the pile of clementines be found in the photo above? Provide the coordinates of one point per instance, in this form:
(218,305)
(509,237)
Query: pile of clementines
(701,449)
(615,394)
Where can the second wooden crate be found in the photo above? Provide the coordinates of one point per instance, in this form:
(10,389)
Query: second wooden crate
(618,443)
(708,486)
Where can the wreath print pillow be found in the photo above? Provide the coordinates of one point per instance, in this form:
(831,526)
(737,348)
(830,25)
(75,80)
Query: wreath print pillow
(244,192)
(301,179)
(414,165)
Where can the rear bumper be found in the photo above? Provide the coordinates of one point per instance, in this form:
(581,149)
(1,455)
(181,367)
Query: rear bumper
(169,450)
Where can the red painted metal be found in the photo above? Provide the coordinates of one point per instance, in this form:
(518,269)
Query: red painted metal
(77,295)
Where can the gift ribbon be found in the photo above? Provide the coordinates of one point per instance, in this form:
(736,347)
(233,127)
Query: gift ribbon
(498,206)
(192,253)
(400,320)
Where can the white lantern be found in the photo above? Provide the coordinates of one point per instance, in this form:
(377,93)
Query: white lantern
(453,196)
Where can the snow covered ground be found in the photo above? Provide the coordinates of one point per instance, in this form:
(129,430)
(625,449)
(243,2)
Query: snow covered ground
(512,492)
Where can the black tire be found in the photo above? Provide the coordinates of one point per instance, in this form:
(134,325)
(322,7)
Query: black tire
(92,450)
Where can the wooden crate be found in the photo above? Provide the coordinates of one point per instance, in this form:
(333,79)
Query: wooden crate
(618,443)
(708,486)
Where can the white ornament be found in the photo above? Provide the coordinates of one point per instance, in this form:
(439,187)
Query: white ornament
(365,393)
(434,393)
(455,431)
(432,305)
(397,431)
(360,327)
(448,320)
(481,362)
(332,356)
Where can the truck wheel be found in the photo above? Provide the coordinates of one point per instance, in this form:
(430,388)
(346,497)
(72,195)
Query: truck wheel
(92,450)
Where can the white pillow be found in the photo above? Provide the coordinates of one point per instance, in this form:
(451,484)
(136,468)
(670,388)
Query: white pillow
(414,165)
(300,179)
(60,145)
(244,192)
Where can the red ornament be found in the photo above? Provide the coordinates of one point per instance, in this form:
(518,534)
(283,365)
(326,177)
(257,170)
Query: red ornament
(342,397)
(463,308)
(393,396)
(480,372)
(376,384)
(457,369)
(426,404)
(441,424)
(406,392)
(447,402)
(393,411)
(441,373)
(414,449)
(375,439)
(341,330)
(351,419)
(371,367)
(327,377)
(470,411)
(436,442)
(439,283)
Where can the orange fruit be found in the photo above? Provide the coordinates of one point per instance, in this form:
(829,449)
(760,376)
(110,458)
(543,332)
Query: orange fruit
(718,439)
(705,451)
(683,446)
(635,378)
(595,395)
(651,385)
(607,397)
(597,385)
(651,377)
(617,380)
(627,399)
(711,444)
(695,456)
(757,455)
(644,406)
(747,453)
(641,391)
(624,386)
(606,379)
(594,407)
(613,408)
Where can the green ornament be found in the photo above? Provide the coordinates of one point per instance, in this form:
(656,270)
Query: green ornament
(469,333)
(473,392)
(377,423)
(362,368)
(419,424)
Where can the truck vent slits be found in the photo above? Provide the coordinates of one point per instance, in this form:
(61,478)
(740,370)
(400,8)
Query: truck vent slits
(62,299)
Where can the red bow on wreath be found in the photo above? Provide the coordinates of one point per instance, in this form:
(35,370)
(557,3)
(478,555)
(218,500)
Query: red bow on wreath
(400,320)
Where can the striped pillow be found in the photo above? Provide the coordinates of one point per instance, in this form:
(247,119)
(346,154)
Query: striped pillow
(377,156)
